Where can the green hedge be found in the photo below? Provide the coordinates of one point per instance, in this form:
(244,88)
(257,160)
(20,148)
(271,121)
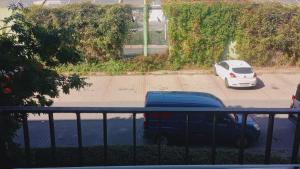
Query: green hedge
(266,33)
(101,29)
(145,155)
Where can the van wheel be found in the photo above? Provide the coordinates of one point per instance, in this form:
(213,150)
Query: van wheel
(238,142)
(226,83)
(162,140)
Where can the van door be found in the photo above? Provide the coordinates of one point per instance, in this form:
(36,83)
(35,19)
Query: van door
(200,129)
(225,128)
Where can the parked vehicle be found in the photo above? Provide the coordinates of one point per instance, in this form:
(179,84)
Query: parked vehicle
(169,128)
(236,73)
(295,103)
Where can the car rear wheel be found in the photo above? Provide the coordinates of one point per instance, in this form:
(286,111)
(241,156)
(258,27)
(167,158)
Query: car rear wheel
(226,83)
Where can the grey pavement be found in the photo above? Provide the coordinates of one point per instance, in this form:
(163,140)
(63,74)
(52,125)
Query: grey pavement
(273,91)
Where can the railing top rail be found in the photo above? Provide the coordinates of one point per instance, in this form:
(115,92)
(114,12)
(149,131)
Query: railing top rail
(35,109)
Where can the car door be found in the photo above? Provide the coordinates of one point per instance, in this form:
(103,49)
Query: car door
(223,69)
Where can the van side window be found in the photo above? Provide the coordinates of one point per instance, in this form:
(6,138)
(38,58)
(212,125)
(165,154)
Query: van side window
(221,118)
(298,92)
(197,117)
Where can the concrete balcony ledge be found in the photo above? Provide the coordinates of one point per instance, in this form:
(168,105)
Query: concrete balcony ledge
(188,167)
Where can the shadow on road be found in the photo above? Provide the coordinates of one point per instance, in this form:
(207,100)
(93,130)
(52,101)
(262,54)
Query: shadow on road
(120,131)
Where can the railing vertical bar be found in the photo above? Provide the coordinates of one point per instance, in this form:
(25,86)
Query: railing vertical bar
(241,150)
(296,142)
(26,139)
(269,138)
(159,139)
(187,138)
(105,137)
(134,137)
(52,137)
(79,138)
(213,146)
(4,158)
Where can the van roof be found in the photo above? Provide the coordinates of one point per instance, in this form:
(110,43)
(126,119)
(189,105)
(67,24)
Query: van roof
(181,99)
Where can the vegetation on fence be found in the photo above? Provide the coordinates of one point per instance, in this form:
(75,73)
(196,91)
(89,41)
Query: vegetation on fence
(269,34)
(145,155)
(199,32)
(100,30)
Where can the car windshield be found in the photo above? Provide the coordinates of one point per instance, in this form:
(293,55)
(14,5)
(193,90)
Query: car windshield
(242,70)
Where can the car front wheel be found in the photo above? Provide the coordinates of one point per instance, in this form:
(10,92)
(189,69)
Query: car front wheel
(227,84)
(215,71)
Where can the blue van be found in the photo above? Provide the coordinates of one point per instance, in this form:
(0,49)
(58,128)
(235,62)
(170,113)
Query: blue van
(169,128)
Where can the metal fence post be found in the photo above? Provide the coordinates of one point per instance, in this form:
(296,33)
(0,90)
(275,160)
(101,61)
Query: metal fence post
(26,140)
(4,160)
(146,25)
(296,141)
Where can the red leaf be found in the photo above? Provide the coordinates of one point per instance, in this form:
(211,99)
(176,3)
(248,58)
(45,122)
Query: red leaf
(7,90)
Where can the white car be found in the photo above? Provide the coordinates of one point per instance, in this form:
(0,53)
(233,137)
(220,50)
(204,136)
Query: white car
(236,73)
(295,104)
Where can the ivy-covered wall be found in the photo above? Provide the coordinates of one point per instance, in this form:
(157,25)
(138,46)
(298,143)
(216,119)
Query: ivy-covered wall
(265,33)
(101,29)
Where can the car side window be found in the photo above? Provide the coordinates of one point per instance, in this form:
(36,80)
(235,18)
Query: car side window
(224,65)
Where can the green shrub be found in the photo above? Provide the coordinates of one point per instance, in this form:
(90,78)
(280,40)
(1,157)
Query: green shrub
(101,29)
(119,66)
(145,155)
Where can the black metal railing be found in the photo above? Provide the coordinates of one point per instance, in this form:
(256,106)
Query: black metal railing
(272,112)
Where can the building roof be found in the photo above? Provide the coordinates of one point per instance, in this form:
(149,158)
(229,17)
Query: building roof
(181,99)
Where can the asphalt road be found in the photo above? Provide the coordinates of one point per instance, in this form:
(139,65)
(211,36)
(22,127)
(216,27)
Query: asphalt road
(274,90)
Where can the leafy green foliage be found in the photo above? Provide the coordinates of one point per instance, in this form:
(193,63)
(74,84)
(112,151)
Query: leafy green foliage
(266,33)
(28,54)
(115,67)
(100,30)
(199,32)
(269,34)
